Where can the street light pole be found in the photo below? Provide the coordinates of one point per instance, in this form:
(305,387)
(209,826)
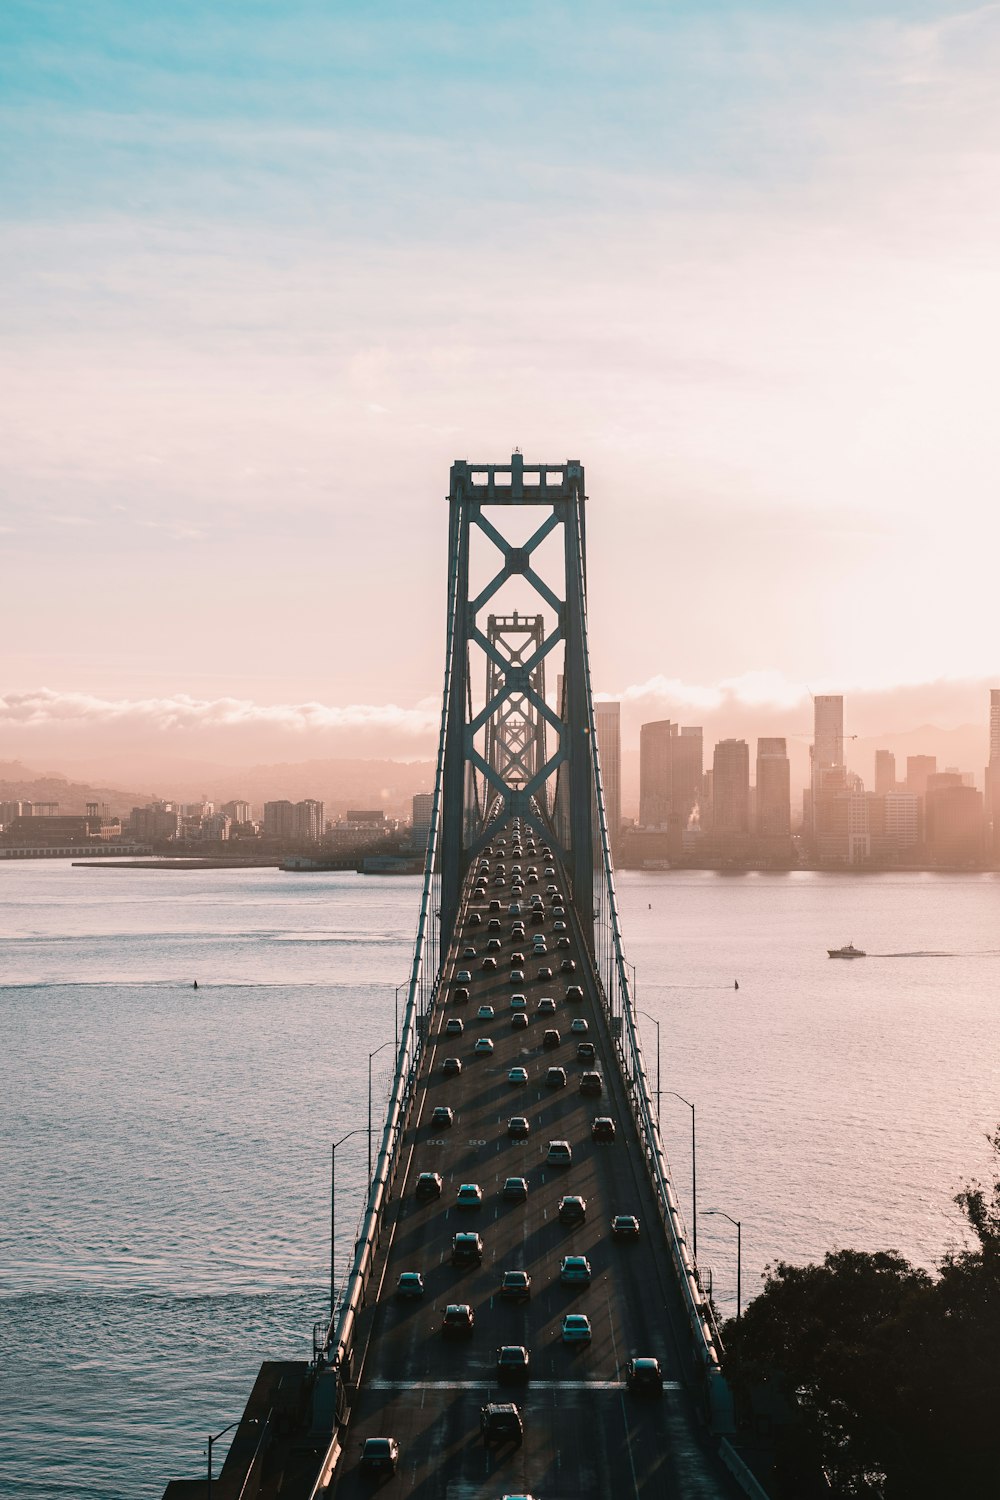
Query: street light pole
(211,1443)
(739,1255)
(370,1056)
(333,1217)
(657,1025)
(694,1173)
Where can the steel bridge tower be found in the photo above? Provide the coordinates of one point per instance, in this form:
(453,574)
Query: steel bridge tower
(496,763)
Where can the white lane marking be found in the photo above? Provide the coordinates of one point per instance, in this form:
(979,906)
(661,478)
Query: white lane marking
(594,1384)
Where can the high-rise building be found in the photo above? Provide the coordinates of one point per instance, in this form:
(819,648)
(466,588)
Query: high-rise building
(828,731)
(992,779)
(918,769)
(731,790)
(279,819)
(885,772)
(608,718)
(774,802)
(309,820)
(688,759)
(238,811)
(423,808)
(656,773)
(953,821)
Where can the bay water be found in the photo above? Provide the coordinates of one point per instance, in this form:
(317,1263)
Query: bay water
(165,1150)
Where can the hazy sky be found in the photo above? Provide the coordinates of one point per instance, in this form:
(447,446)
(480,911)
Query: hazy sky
(268,268)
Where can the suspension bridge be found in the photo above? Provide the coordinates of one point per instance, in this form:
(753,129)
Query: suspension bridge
(523,1315)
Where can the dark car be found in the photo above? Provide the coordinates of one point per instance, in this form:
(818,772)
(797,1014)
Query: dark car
(489,963)
(475,919)
(551,1037)
(467,1249)
(429,1185)
(573,992)
(545,972)
(500,1423)
(442,1117)
(625,1227)
(555,1078)
(410,1284)
(602,1129)
(591,1083)
(493,925)
(513,1364)
(451,1065)
(572,1210)
(514,1190)
(644,1376)
(517,1128)
(518,1021)
(515,1286)
(380,1455)
(563,942)
(568,966)
(460,996)
(459,1321)
(585,1052)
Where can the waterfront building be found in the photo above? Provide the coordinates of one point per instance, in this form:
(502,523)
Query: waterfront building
(279,819)
(688,758)
(309,820)
(731,791)
(953,817)
(774,800)
(155,822)
(656,773)
(423,808)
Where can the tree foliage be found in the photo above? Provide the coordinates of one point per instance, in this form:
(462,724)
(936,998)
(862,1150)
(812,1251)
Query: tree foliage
(893,1375)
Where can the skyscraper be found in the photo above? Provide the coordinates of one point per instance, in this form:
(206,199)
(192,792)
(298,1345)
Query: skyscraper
(688,755)
(608,717)
(918,768)
(656,762)
(774,804)
(992,799)
(731,789)
(885,772)
(828,732)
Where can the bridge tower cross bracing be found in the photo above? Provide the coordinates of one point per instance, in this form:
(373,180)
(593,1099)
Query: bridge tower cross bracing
(504,745)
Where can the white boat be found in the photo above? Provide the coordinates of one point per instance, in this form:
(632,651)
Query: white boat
(848,952)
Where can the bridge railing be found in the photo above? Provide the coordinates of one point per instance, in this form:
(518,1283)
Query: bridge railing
(340,1362)
(612,968)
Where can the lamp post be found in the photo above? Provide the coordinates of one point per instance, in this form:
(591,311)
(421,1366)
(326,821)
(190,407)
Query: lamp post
(333,1216)
(211,1444)
(657,1025)
(739,1255)
(694,1172)
(370,1056)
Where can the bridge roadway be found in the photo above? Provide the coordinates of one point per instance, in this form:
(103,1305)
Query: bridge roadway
(585,1434)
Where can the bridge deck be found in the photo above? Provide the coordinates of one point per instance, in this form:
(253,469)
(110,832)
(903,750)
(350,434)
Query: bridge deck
(585,1433)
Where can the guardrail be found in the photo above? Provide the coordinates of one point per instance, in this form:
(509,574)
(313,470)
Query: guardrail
(609,952)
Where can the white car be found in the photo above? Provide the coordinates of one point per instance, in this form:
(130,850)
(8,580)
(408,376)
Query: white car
(483,1045)
(463,977)
(579,1025)
(518,1002)
(486,1013)
(517,1076)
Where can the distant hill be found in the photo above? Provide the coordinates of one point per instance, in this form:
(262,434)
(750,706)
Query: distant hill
(19,783)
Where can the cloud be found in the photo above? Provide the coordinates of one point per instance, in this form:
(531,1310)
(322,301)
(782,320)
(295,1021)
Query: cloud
(44,709)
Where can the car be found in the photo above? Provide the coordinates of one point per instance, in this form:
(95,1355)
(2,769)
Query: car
(576,1329)
(485,1013)
(572,1210)
(552,890)
(483,1045)
(463,977)
(451,1065)
(578,1026)
(602,1129)
(532,879)
(499,880)
(546,1006)
(573,992)
(516,976)
(560,926)
(568,966)
(555,1078)
(470,1195)
(380,1455)
(559,911)
(410,1284)
(643,1376)
(625,1227)
(460,996)
(518,1128)
(538,946)
(549,869)
(500,1423)
(551,1037)
(489,964)
(544,972)
(453,1026)
(459,1321)
(513,1364)
(514,1190)
(517,958)
(479,893)
(518,1021)
(574,1270)
(516,932)
(467,1250)
(514,909)
(493,925)
(559,1154)
(476,918)
(518,1002)
(429,1185)
(537,916)
(586,1052)
(591,1083)
(442,1116)
(518,1076)
(469,951)
(515,1286)
(563,941)
(493,945)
